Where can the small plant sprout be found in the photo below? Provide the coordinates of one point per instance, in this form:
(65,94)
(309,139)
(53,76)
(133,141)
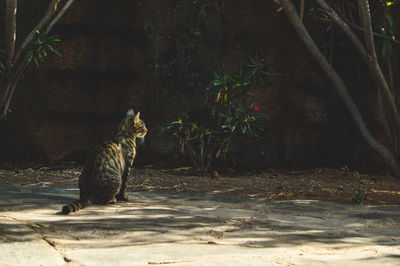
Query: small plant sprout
(358,190)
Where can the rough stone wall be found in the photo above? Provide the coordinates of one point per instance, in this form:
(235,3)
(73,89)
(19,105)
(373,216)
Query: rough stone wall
(158,57)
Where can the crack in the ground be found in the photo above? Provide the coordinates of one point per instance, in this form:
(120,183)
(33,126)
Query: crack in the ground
(167,262)
(38,228)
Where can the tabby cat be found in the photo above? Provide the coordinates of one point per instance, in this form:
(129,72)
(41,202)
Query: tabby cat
(106,170)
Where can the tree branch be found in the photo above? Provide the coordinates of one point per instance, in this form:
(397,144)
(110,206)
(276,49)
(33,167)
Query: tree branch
(340,86)
(374,64)
(368,35)
(18,66)
(59,15)
(385,124)
(12,85)
(369,56)
(10,31)
(45,19)
(301,10)
(192,154)
(342,24)
(9,45)
(351,24)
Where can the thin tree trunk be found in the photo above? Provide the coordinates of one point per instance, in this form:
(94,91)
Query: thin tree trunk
(351,24)
(385,124)
(346,29)
(340,86)
(192,154)
(18,64)
(301,10)
(373,65)
(59,15)
(12,85)
(10,32)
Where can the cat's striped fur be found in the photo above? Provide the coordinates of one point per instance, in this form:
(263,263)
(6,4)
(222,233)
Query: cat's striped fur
(106,170)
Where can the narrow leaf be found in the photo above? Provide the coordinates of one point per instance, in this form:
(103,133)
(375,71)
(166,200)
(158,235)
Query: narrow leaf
(57,53)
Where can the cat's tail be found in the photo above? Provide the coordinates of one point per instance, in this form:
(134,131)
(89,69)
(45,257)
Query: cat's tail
(75,206)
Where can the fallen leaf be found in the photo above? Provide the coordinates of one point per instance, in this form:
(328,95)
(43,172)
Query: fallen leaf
(183,168)
(217,175)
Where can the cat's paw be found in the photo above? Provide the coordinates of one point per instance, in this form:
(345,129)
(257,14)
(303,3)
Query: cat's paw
(122,199)
(112,201)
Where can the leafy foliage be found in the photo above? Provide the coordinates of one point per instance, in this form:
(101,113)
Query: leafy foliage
(348,10)
(232,119)
(388,3)
(38,49)
(385,27)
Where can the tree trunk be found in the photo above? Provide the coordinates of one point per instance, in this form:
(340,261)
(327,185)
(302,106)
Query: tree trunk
(371,60)
(375,68)
(339,85)
(10,32)
(17,64)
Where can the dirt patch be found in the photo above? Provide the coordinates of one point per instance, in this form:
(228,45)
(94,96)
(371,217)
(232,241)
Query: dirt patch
(335,185)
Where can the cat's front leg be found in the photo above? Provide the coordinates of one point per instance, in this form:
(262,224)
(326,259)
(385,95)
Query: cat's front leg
(121,194)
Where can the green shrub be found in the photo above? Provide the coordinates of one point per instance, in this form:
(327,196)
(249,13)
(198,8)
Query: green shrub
(232,118)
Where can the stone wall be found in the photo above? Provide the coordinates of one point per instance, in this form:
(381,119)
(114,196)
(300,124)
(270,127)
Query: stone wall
(158,57)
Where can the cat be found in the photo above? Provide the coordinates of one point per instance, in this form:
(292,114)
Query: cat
(105,174)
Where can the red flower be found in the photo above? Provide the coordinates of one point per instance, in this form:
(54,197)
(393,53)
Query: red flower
(257,107)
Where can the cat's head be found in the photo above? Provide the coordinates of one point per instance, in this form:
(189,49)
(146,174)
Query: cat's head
(132,126)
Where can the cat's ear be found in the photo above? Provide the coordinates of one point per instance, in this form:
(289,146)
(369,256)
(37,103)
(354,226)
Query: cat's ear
(130,113)
(136,120)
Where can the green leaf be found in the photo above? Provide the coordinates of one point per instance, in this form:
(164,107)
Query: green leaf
(217,82)
(57,53)
(29,56)
(2,68)
(54,38)
(195,126)
(271,73)
(166,127)
(227,145)
(389,19)
(217,75)
(36,61)
(49,47)
(234,126)
(236,85)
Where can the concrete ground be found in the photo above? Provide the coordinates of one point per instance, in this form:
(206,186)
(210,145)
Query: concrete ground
(193,229)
